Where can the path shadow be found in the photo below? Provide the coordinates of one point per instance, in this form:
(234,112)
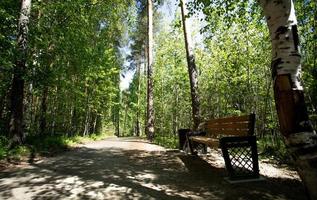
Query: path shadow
(133,174)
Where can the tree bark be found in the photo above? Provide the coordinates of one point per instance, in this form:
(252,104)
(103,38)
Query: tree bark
(192,70)
(43,123)
(300,138)
(150,104)
(54,103)
(2,103)
(87,122)
(17,88)
(138,99)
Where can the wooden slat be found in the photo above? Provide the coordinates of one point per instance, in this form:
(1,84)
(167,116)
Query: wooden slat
(230,119)
(244,125)
(212,142)
(229,131)
(216,128)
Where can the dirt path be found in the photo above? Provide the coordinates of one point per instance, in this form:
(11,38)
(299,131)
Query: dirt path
(129,168)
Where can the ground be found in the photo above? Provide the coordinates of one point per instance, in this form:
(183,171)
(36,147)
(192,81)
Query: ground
(130,168)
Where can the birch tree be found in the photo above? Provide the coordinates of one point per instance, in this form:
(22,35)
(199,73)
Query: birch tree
(192,70)
(17,87)
(295,126)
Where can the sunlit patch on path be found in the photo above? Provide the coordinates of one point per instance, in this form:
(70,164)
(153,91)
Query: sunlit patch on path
(130,168)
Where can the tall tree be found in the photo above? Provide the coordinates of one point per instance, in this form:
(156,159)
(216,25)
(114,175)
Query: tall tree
(192,70)
(137,128)
(17,88)
(150,103)
(289,97)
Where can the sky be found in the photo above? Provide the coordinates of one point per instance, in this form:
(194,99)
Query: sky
(168,11)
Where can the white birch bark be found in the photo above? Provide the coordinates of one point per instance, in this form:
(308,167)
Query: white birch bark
(299,136)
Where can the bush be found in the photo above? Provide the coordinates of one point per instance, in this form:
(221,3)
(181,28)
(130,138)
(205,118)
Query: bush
(167,142)
(274,149)
(3,147)
(44,145)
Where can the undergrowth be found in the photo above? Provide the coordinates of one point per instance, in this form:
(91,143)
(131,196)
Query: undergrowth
(45,145)
(273,149)
(167,141)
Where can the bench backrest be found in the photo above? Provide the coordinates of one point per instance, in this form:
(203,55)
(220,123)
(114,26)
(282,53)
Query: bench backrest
(235,126)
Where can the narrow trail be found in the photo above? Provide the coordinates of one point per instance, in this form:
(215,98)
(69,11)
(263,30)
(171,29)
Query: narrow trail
(130,168)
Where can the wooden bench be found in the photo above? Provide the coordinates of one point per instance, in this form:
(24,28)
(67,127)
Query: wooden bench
(234,135)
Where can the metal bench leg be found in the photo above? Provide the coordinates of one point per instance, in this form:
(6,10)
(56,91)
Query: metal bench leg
(241,158)
(190,145)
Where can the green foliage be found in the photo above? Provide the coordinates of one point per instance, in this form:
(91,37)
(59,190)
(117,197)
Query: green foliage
(273,147)
(46,145)
(3,147)
(167,142)
(74,64)
(306,14)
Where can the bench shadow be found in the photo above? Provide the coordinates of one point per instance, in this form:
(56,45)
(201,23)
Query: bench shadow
(269,188)
(133,174)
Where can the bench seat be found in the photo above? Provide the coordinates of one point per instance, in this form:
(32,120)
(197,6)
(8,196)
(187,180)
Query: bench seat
(211,142)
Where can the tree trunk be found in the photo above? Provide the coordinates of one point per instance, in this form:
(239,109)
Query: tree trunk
(54,111)
(295,126)
(43,122)
(94,123)
(87,124)
(17,88)
(2,103)
(192,70)
(138,99)
(117,108)
(175,110)
(125,117)
(150,106)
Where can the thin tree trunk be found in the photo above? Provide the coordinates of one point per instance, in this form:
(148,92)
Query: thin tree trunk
(2,103)
(125,117)
(43,122)
(116,110)
(144,81)
(17,88)
(192,70)
(94,123)
(150,106)
(138,99)
(175,110)
(87,119)
(295,126)
(54,110)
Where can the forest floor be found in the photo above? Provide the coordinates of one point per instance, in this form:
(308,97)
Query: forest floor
(130,168)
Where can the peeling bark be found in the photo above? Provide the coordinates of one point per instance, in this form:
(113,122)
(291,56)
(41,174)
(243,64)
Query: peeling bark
(300,138)
(192,70)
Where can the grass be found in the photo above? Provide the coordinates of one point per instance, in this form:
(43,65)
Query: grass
(45,145)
